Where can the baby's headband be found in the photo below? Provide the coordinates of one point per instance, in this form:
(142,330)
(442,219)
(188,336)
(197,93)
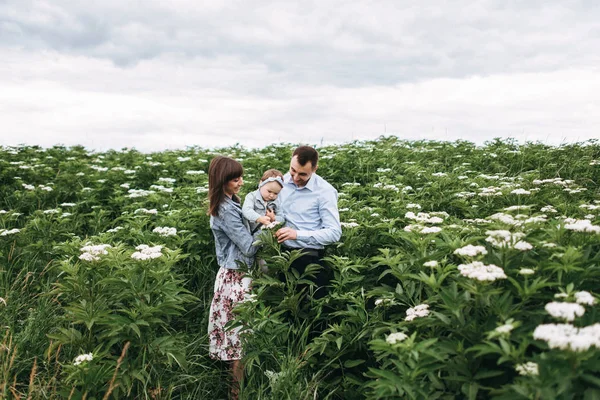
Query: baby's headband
(271,179)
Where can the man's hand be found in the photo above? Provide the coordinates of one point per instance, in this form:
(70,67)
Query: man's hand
(264,220)
(271,214)
(284,234)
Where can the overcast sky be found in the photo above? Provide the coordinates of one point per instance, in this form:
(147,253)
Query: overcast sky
(166,74)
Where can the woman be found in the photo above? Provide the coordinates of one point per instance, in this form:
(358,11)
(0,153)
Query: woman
(235,253)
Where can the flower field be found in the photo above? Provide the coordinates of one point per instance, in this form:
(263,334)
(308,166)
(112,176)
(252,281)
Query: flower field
(463,272)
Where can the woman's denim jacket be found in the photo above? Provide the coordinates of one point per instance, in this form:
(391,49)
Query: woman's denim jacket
(233,240)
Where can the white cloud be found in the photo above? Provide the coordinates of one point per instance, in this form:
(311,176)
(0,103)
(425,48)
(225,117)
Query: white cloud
(171,74)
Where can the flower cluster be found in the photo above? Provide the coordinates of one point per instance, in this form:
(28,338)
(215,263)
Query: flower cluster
(152,211)
(506,239)
(422,310)
(526,271)
(83,358)
(422,229)
(470,251)
(6,232)
(91,252)
(582,225)
(384,302)
(567,311)
(424,218)
(133,193)
(568,337)
(165,231)
(481,272)
(395,337)
(145,252)
(584,297)
(528,369)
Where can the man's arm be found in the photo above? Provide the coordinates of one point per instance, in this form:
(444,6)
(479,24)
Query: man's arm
(331,230)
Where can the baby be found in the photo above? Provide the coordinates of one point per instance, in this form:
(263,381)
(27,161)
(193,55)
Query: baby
(262,206)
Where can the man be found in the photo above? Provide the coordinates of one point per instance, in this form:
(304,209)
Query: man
(309,204)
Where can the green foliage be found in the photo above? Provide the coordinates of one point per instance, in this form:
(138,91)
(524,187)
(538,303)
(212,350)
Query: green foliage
(472,340)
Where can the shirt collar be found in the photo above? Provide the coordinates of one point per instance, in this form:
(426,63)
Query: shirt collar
(310,185)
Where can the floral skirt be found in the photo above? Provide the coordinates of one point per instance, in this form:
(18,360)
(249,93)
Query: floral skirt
(231,288)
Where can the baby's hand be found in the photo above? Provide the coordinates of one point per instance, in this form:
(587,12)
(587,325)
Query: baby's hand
(271,215)
(264,220)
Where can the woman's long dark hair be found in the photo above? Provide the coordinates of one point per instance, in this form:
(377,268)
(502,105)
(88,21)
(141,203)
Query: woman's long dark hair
(220,172)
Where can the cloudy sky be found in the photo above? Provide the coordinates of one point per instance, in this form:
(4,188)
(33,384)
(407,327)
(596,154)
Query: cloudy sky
(166,74)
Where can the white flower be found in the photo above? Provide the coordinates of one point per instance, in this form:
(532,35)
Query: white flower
(567,311)
(349,224)
(83,358)
(167,180)
(470,251)
(133,193)
(548,209)
(384,169)
(520,192)
(431,264)
(568,337)
(88,257)
(115,229)
(6,232)
(523,246)
(97,249)
(395,337)
(161,188)
(165,231)
(528,369)
(195,172)
(481,272)
(384,302)
(182,159)
(504,239)
(68,204)
(583,225)
(422,310)
(411,205)
(271,225)
(146,252)
(431,229)
(516,208)
(152,211)
(51,211)
(28,187)
(526,271)
(584,297)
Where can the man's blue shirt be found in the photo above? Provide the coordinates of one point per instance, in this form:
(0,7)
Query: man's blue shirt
(312,211)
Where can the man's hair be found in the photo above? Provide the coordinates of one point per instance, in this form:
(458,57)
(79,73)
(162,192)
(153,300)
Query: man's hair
(306,154)
(271,173)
